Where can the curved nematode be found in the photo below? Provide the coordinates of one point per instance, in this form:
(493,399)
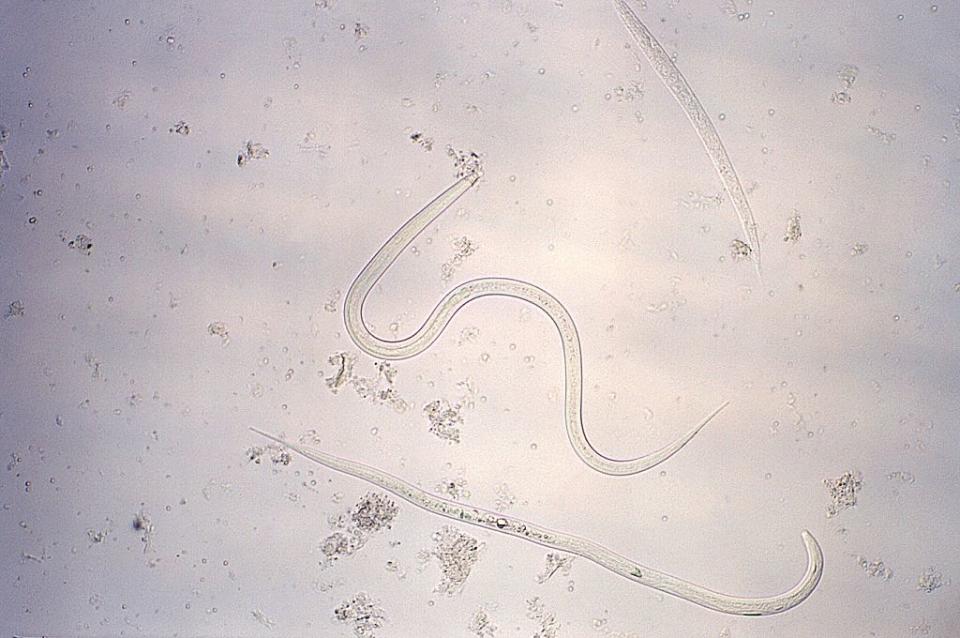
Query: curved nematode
(463,294)
(670,75)
(575,545)
(475,289)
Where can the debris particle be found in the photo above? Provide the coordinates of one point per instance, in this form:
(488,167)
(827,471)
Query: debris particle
(278,454)
(15,309)
(505,498)
(740,250)
(100,535)
(549,625)
(82,244)
(793,233)
(143,524)
(465,162)
(843,492)
(555,563)
(426,143)
(378,389)
(363,613)
(464,248)
(332,300)
(875,568)
(695,200)
(471,334)
(219,329)
(344,363)
(906,477)
(181,128)
(883,136)
(847,75)
(481,625)
(930,581)
(122,99)
(251,151)
(858,249)
(841,98)
(445,420)
(373,513)
(457,553)
(455,488)
(262,618)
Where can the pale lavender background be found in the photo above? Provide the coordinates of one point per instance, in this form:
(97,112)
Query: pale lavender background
(867,351)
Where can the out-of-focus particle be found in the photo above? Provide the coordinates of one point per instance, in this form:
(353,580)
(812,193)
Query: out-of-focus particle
(15,309)
(847,75)
(858,249)
(841,98)
(843,492)
(884,136)
(906,477)
(122,99)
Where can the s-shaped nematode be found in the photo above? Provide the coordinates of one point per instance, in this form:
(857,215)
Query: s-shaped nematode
(474,289)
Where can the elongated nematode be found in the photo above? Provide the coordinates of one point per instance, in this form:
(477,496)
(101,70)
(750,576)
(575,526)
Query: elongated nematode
(673,79)
(560,541)
(474,289)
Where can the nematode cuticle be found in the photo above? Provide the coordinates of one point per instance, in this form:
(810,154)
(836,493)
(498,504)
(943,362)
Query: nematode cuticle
(587,549)
(474,289)
(673,79)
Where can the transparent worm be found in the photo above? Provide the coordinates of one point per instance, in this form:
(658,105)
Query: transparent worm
(670,75)
(575,545)
(474,289)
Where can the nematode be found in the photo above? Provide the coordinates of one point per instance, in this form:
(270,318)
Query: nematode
(575,545)
(474,289)
(671,77)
